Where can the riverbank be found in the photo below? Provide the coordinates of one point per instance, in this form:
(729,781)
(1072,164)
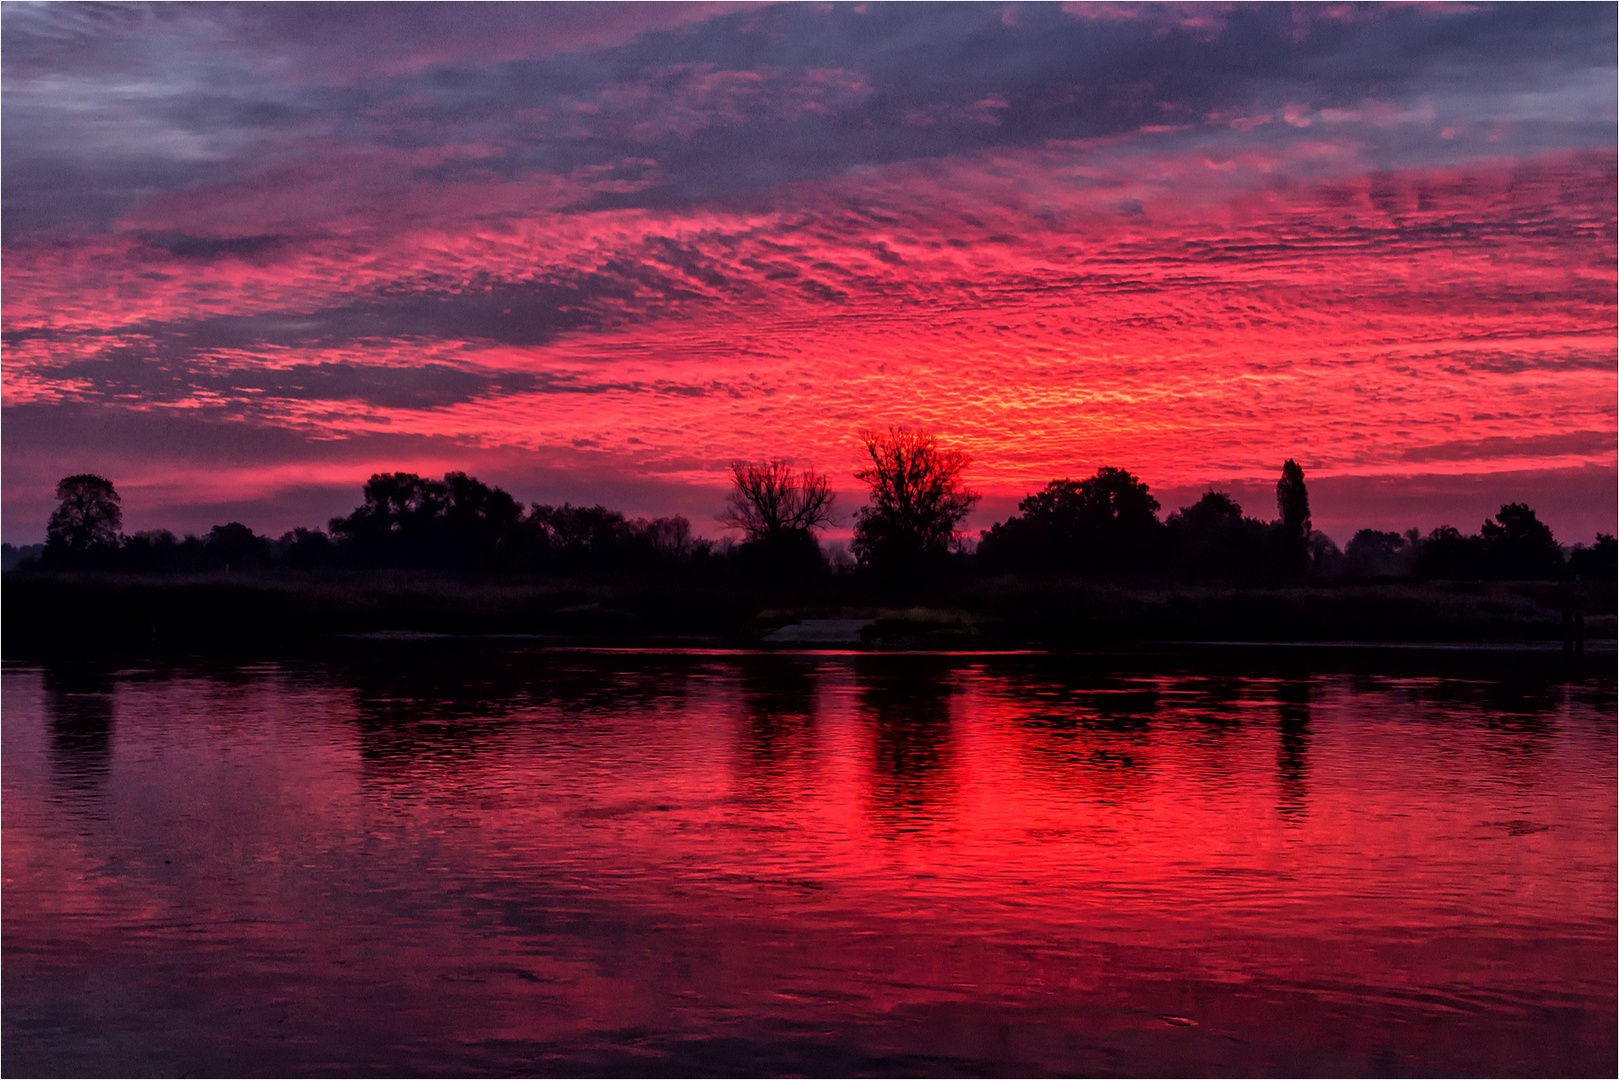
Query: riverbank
(42,610)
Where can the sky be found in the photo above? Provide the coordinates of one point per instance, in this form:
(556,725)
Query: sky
(595,252)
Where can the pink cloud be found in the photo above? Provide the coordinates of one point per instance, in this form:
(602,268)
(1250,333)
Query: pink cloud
(1238,312)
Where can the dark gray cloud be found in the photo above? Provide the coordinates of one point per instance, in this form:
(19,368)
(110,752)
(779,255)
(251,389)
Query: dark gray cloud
(1597,357)
(147,377)
(623,289)
(103,106)
(150,374)
(210,248)
(1571,444)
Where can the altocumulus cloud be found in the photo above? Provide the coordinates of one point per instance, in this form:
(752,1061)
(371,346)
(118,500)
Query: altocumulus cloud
(1191,241)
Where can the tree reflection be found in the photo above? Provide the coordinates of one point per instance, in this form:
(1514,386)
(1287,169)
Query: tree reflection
(1293,749)
(1514,698)
(448,698)
(1217,697)
(1088,725)
(778,719)
(906,700)
(78,704)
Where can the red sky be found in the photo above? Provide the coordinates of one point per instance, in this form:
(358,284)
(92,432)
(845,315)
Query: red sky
(595,253)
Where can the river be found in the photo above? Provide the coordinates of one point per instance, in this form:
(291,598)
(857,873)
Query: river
(452,856)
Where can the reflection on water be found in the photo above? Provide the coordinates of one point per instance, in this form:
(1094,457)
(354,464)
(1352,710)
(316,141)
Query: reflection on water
(906,702)
(79,703)
(1293,747)
(1088,727)
(778,702)
(455,856)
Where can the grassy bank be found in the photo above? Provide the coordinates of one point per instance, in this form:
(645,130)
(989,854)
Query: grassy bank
(72,610)
(1407,611)
(60,609)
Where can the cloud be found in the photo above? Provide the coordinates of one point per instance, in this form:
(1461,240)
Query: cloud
(1563,444)
(642,242)
(101,111)
(995,292)
(316,44)
(212,248)
(148,378)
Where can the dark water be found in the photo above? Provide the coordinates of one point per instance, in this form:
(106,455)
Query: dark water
(466,857)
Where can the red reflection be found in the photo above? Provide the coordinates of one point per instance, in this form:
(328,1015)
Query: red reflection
(886,863)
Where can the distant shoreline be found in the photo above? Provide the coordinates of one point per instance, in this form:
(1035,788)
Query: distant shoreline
(549,644)
(51,611)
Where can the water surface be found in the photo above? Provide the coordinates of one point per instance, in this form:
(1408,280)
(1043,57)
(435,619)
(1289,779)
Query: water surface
(451,857)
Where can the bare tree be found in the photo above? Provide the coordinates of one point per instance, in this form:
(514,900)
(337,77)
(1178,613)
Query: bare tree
(917,498)
(769,500)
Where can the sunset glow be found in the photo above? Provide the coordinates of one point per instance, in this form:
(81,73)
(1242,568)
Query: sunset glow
(594,253)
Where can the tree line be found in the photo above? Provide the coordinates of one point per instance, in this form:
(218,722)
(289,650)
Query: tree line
(909,531)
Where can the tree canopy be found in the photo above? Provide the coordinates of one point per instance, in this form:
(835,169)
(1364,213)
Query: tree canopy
(1293,517)
(88,517)
(917,501)
(1106,523)
(1213,539)
(408,520)
(1517,544)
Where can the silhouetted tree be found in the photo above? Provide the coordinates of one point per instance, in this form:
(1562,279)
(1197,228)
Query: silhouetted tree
(18,557)
(235,546)
(1600,562)
(192,553)
(1447,553)
(305,548)
(86,521)
(776,508)
(670,538)
(574,537)
(1105,524)
(407,520)
(462,523)
(1374,553)
(570,538)
(1293,518)
(657,544)
(151,551)
(1212,539)
(790,557)
(917,503)
(477,524)
(768,499)
(395,524)
(1518,545)
(1326,561)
